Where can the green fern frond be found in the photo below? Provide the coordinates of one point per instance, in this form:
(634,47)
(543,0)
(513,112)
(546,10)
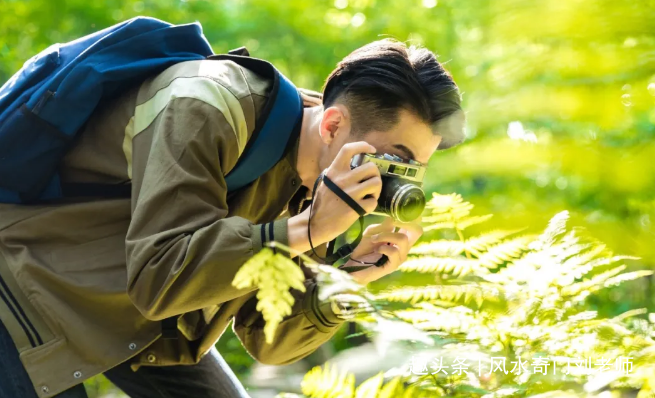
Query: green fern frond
(273,275)
(628,276)
(461,225)
(504,252)
(429,317)
(371,387)
(579,265)
(449,216)
(394,388)
(452,204)
(471,221)
(440,248)
(556,227)
(474,246)
(453,293)
(594,283)
(536,289)
(328,382)
(630,314)
(478,244)
(582,316)
(444,265)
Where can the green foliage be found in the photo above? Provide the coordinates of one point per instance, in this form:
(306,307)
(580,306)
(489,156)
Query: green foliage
(559,98)
(329,382)
(530,301)
(273,275)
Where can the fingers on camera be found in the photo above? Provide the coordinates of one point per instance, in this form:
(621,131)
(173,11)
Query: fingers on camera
(369,204)
(370,187)
(351,149)
(385,226)
(394,255)
(364,172)
(395,238)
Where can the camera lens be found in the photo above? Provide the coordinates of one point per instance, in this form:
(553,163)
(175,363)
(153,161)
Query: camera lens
(401,200)
(411,205)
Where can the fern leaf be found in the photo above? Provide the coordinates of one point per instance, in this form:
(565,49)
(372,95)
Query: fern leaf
(478,244)
(475,246)
(471,221)
(273,275)
(579,265)
(504,252)
(328,382)
(449,216)
(556,227)
(440,248)
(594,283)
(428,317)
(630,314)
(413,392)
(451,203)
(628,276)
(392,389)
(452,293)
(371,387)
(444,265)
(461,225)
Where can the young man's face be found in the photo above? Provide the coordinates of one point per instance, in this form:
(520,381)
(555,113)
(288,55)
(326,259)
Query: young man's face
(410,138)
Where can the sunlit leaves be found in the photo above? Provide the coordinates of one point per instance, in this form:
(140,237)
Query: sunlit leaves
(273,275)
(330,382)
(454,266)
(476,293)
(500,292)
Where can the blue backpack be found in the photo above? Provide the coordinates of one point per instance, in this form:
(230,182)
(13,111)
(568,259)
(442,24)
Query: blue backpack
(45,104)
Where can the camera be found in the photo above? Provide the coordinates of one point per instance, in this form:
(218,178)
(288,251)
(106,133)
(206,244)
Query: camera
(402,196)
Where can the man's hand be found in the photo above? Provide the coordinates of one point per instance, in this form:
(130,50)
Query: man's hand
(331,216)
(378,240)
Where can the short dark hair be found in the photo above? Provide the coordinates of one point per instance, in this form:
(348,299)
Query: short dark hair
(379,79)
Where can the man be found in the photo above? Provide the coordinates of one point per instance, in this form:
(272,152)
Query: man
(86,283)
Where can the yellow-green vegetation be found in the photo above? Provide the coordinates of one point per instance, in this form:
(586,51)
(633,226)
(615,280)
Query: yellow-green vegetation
(559,97)
(501,295)
(273,275)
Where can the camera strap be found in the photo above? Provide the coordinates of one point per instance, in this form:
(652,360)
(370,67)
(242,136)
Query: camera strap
(348,248)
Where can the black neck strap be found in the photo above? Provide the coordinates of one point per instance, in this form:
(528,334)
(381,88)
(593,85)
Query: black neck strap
(348,248)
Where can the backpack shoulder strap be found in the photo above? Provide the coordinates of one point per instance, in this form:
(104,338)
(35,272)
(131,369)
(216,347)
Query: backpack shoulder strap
(276,126)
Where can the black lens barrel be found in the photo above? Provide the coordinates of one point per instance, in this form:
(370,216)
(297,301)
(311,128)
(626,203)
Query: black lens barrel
(402,199)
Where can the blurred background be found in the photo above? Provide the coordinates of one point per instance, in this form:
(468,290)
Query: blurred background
(559,97)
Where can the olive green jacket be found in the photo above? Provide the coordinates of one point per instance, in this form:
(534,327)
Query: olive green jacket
(85,283)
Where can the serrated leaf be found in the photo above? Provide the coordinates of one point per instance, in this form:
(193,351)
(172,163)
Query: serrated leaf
(392,389)
(328,382)
(273,275)
(370,388)
(445,265)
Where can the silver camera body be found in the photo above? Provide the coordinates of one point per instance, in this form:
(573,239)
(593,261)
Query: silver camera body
(402,196)
(392,166)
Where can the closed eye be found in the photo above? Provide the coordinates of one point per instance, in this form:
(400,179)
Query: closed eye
(408,154)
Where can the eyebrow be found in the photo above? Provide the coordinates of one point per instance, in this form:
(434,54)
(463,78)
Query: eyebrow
(406,151)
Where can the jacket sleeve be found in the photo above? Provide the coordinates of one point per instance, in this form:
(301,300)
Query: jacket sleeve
(310,324)
(182,251)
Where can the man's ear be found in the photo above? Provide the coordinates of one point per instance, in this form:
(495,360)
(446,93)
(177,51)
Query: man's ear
(336,120)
